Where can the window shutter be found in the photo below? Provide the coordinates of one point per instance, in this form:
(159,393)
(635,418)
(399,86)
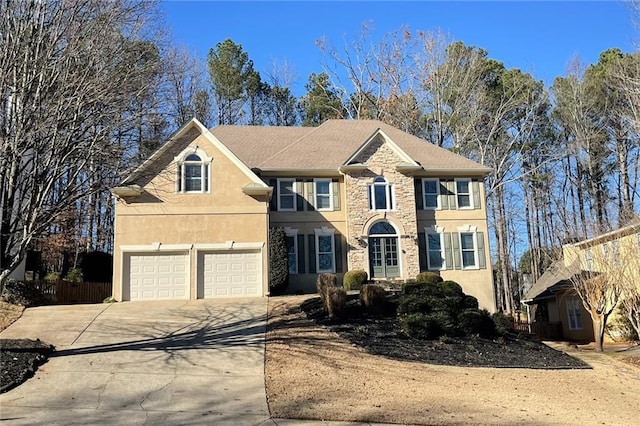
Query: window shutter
(299,187)
(335,185)
(301,257)
(457,255)
(448,254)
(273,204)
(312,253)
(310,197)
(482,262)
(422,251)
(179,178)
(444,196)
(476,194)
(369,191)
(419,199)
(338,252)
(451,191)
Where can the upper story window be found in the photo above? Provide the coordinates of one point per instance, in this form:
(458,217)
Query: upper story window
(324,194)
(286,195)
(464,194)
(588,260)
(435,251)
(193,173)
(380,195)
(431,193)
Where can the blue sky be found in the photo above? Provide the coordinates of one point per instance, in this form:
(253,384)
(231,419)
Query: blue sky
(538,37)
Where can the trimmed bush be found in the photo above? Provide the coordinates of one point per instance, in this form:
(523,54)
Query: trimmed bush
(53,276)
(451,288)
(278,261)
(336,301)
(502,323)
(428,277)
(477,321)
(323,283)
(354,279)
(373,298)
(413,303)
(23,293)
(415,325)
(470,302)
(74,275)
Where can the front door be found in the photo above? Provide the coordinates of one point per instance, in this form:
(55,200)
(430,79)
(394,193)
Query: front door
(383,250)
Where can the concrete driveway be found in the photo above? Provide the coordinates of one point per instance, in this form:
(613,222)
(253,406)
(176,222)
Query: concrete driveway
(178,362)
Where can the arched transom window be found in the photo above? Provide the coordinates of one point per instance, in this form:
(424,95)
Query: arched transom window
(380,195)
(193,173)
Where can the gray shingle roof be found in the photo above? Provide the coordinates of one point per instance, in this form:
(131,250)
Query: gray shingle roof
(329,146)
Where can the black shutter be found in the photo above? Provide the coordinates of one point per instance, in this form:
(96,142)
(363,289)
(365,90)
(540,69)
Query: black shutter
(419,198)
(312,253)
(273,204)
(422,251)
(338,253)
(300,254)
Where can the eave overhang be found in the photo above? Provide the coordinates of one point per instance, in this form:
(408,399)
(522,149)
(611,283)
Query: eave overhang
(127,191)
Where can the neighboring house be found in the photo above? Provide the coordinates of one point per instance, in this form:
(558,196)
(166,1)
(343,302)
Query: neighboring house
(193,220)
(557,310)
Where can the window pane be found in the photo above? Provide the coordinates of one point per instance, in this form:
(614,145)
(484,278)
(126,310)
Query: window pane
(323,202)
(434,241)
(324,244)
(464,201)
(322,187)
(286,187)
(466,241)
(468,259)
(431,201)
(380,192)
(462,186)
(435,259)
(382,228)
(286,202)
(192,180)
(430,187)
(193,157)
(325,262)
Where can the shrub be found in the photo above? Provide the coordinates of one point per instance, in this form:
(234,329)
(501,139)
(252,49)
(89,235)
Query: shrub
(373,298)
(413,303)
(414,325)
(354,279)
(323,283)
(470,302)
(278,261)
(109,299)
(502,323)
(451,288)
(336,300)
(23,293)
(52,276)
(74,275)
(426,289)
(428,277)
(477,321)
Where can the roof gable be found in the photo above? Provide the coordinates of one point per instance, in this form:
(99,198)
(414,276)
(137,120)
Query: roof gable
(190,130)
(360,157)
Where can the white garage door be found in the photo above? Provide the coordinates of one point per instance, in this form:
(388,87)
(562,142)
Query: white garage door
(158,276)
(231,274)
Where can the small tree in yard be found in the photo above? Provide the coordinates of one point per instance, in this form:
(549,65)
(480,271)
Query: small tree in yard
(278,261)
(600,289)
(630,280)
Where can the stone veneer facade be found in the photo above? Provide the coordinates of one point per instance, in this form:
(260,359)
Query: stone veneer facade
(381,160)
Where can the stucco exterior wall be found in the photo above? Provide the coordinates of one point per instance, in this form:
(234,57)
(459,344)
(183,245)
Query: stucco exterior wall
(161,215)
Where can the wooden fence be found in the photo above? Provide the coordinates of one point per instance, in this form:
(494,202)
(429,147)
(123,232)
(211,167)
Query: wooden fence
(69,293)
(542,330)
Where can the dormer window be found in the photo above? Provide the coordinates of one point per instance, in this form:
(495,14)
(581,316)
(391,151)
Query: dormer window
(193,173)
(380,195)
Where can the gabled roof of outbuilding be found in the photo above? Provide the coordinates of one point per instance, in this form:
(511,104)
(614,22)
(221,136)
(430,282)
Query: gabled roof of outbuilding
(331,145)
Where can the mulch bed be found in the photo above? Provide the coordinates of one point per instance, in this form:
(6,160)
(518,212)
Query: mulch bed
(382,335)
(19,360)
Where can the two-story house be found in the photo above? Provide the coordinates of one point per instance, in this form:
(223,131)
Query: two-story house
(193,220)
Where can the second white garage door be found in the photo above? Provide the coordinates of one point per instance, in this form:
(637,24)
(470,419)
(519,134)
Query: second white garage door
(158,276)
(230,273)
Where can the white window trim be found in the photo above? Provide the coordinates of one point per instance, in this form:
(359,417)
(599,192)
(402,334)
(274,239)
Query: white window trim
(205,170)
(470,207)
(293,188)
(440,233)
(293,232)
(570,311)
(325,232)
(315,194)
(389,195)
(474,238)
(438,194)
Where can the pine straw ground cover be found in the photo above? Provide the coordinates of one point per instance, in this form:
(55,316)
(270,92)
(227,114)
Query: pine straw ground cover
(19,358)
(365,371)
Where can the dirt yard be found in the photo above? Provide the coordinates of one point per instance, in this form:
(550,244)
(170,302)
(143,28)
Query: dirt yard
(312,373)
